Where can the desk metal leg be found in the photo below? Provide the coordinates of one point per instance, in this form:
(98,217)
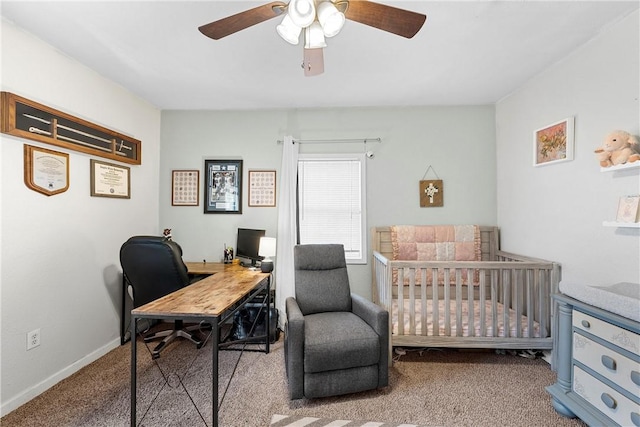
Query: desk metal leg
(134,369)
(268,315)
(214,369)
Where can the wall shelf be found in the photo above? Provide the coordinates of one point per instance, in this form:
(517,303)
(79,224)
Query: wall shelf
(623,166)
(621,224)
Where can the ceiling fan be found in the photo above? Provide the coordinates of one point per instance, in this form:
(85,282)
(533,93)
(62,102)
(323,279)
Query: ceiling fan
(318,19)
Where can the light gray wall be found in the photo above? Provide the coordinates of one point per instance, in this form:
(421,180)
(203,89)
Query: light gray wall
(60,267)
(458,142)
(556,211)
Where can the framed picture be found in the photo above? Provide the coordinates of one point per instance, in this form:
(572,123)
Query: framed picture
(628,209)
(262,188)
(431,193)
(46,171)
(185,189)
(223,186)
(553,143)
(110,180)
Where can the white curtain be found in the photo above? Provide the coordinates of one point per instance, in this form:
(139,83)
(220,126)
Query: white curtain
(286,239)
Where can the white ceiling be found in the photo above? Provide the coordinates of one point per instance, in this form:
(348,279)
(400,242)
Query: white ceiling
(468,52)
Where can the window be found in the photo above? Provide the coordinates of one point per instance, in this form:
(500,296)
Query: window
(331,205)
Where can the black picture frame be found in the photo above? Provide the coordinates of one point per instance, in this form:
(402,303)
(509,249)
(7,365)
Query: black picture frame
(223,186)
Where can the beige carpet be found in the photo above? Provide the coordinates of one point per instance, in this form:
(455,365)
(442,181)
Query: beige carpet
(429,388)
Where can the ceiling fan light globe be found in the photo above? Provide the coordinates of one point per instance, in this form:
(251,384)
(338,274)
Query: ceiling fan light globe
(289,31)
(314,36)
(302,12)
(331,19)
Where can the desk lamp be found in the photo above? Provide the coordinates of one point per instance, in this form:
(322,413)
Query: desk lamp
(267,249)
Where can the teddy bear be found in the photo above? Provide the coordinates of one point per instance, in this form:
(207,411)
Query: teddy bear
(618,147)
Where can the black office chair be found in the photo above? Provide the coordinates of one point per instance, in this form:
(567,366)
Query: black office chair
(152,267)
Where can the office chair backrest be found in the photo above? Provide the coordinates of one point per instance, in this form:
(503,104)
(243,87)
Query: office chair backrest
(321,279)
(153,267)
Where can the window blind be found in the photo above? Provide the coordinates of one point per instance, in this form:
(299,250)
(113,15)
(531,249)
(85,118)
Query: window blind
(330,200)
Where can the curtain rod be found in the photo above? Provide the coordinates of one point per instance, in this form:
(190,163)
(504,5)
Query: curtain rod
(332,141)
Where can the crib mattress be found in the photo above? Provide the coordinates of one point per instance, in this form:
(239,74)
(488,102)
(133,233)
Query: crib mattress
(466,326)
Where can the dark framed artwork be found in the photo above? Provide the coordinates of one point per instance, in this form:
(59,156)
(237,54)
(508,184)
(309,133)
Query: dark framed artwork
(223,186)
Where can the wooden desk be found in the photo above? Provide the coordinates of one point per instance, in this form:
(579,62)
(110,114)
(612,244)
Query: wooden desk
(211,267)
(210,300)
(193,268)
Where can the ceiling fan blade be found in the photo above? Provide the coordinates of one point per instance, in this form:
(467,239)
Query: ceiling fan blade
(313,62)
(397,21)
(234,23)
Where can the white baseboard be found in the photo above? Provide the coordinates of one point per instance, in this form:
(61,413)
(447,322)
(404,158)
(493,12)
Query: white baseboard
(45,385)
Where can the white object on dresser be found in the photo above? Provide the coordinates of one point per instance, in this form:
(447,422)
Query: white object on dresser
(598,358)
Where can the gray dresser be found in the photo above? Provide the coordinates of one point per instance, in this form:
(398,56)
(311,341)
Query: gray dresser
(598,365)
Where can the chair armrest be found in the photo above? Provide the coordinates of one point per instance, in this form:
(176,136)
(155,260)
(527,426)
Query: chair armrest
(378,318)
(375,316)
(294,348)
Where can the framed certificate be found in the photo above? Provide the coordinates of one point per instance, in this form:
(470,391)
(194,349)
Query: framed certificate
(110,180)
(46,171)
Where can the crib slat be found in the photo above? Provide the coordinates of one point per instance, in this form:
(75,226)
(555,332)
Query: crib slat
(447,303)
(412,301)
(494,301)
(458,302)
(517,288)
(470,304)
(483,311)
(423,302)
(400,298)
(506,300)
(531,285)
(434,300)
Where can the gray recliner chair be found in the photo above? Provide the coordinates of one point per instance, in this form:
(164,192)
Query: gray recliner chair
(335,342)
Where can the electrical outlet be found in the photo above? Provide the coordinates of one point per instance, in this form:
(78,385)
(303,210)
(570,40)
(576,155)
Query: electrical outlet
(33,339)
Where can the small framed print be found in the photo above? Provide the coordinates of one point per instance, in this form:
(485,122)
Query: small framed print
(628,209)
(46,171)
(185,187)
(262,188)
(110,180)
(431,193)
(223,186)
(553,143)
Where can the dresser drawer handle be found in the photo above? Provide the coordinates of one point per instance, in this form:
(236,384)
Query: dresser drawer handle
(608,400)
(608,362)
(635,377)
(635,419)
(586,323)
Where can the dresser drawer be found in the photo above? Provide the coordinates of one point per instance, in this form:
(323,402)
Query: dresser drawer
(615,367)
(614,405)
(614,334)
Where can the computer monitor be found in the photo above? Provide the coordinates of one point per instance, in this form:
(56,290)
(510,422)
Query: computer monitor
(248,243)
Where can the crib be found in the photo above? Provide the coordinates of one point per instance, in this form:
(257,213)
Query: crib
(499,300)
